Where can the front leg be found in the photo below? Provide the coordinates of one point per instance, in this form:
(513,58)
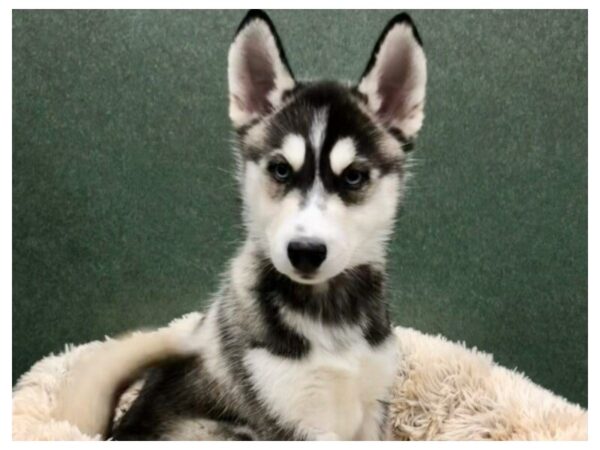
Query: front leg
(333,413)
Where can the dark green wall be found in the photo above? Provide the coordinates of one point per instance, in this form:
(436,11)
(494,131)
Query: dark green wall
(124,204)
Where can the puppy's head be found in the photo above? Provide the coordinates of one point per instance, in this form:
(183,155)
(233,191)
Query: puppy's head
(322,163)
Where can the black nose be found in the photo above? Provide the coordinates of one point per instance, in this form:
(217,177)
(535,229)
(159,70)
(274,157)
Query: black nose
(307,256)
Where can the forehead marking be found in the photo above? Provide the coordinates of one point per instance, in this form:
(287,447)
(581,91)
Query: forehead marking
(316,197)
(293,149)
(342,154)
(317,130)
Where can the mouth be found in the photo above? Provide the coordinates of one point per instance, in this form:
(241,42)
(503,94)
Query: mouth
(307,278)
(304,277)
(310,278)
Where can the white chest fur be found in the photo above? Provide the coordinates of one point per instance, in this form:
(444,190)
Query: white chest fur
(336,391)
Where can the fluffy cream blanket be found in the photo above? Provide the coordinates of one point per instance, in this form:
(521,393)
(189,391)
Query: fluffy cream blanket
(444,391)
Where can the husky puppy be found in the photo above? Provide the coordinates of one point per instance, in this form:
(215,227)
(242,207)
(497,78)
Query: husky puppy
(297,343)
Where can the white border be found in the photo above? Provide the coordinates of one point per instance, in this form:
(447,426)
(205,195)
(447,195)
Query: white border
(6,182)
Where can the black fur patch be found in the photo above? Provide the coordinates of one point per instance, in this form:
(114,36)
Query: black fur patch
(175,390)
(280,340)
(355,296)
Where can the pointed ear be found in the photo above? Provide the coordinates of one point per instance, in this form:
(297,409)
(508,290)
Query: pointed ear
(395,77)
(258,72)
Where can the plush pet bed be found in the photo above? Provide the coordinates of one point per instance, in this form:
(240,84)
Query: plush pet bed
(444,391)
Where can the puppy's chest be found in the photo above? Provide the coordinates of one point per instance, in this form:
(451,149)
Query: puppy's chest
(341,375)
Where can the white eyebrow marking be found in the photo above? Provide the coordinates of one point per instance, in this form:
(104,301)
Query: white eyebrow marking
(317,131)
(342,154)
(293,149)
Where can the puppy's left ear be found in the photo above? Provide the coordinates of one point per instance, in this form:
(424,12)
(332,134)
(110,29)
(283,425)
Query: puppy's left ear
(395,77)
(258,71)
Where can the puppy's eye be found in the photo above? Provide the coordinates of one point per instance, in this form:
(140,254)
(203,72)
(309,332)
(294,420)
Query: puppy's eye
(281,171)
(354,178)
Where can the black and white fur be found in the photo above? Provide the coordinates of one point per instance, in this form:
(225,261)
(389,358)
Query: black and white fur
(299,345)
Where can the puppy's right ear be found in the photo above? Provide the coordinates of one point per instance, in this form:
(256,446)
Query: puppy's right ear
(258,71)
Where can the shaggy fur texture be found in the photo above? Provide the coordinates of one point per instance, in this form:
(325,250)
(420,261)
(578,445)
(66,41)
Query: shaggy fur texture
(444,391)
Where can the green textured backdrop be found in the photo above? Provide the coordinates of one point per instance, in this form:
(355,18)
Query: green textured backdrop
(124,204)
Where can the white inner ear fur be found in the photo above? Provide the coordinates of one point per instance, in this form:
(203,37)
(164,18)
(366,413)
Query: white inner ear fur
(254,37)
(400,74)
(342,154)
(294,150)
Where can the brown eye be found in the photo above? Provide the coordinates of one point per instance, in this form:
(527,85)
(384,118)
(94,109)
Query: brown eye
(281,171)
(354,178)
